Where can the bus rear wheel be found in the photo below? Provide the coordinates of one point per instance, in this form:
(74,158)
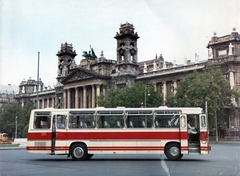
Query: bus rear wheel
(172,151)
(79,152)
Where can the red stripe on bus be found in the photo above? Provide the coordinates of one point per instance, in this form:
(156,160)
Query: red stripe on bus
(46,148)
(106,148)
(204,136)
(108,135)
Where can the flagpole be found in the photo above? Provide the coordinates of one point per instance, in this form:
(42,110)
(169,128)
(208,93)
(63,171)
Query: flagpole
(37,80)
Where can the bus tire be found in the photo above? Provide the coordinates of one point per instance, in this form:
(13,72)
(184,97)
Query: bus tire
(78,152)
(173,152)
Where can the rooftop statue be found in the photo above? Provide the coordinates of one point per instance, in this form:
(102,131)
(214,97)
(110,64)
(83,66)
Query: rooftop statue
(90,54)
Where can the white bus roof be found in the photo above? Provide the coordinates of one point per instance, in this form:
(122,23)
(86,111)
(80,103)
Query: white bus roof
(184,110)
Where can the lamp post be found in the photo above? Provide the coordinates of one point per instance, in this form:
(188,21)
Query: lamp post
(16,128)
(216,127)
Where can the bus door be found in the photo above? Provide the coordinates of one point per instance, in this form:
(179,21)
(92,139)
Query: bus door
(183,134)
(58,144)
(203,134)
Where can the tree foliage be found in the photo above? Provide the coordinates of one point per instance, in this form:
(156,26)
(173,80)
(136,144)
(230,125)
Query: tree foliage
(8,114)
(131,97)
(209,86)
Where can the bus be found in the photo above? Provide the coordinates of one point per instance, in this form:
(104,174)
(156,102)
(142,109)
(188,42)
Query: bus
(81,133)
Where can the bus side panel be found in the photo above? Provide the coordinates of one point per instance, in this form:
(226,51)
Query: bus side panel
(39,142)
(61,142)
(183,134)
(127,141)
(204,137)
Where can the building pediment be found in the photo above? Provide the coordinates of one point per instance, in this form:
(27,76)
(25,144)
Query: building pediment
(81,74)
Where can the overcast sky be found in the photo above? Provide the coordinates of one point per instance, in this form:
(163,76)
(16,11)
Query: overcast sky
(173,28)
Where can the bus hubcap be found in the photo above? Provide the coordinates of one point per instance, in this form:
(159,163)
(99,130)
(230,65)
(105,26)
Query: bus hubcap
(174,151)
(78,152)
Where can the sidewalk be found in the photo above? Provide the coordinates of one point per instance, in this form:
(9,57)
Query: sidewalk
(22,144)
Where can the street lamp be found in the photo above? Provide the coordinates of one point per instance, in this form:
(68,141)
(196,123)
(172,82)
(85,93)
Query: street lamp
(16,128)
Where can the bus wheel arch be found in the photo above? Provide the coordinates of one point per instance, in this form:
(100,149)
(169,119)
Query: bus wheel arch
(173,151)
(78,151)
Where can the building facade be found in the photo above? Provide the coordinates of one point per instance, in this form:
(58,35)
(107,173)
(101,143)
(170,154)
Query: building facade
(7,94)
(78,86)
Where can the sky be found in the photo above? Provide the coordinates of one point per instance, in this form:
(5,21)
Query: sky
(176,29)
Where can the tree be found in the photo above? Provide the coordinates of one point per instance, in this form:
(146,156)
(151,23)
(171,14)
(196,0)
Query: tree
(199,87)
(8,118)
(24,116)
(8,114)
(131,97)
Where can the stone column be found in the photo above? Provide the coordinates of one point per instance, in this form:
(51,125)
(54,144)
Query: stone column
(93,96)
(98,92)
(164,92)
(64,101)
(53,102)
(232,84)
(47,103)
(98,89)
(175,86)
(76,97)
(104,89)
(231,79)
(84,97)
(68,98)
(155,86)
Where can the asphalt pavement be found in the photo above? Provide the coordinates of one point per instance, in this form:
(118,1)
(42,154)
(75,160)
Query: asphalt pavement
(23,144)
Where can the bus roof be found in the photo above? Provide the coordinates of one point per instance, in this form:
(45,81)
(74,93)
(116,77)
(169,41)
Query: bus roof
(184,110)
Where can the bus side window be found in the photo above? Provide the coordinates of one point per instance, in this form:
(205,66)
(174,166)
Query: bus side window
(61,121)
(42,121)
(81,121)
(167,121)
(110,121)
(203,121)
(139,121)
(183,121)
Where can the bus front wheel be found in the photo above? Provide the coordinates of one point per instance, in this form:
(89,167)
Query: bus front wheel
(79,152)
(172,151)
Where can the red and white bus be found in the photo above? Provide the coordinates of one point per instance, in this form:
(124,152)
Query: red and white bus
(81,133)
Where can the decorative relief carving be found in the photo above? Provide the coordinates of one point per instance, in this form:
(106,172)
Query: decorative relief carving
(79,75)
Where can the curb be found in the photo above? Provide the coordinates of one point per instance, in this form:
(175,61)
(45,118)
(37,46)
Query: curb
(13,148)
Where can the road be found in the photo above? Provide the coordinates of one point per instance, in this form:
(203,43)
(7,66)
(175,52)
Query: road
(223,160)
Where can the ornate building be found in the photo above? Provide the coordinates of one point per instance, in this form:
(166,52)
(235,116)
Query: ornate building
(7,94)
(79,85)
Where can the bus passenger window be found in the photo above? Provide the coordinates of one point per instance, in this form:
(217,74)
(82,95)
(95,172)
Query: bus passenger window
(110,122)
(167,121)
(81,121)
(139,121)
(183,122)
(61,120)
(203,121)
(42,121)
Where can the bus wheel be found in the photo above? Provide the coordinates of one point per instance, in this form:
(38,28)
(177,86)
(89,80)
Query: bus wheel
(78,152)
(172,151)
